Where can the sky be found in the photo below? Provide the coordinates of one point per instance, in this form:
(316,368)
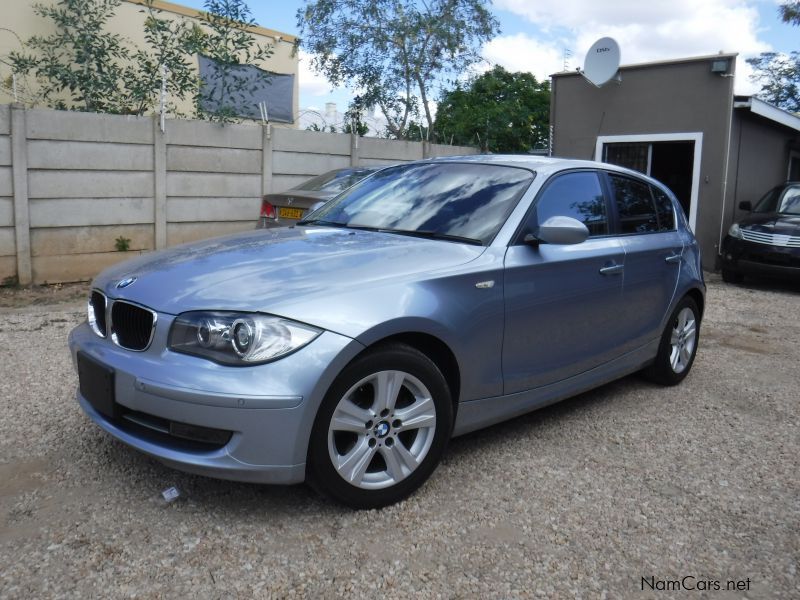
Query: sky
(536,35)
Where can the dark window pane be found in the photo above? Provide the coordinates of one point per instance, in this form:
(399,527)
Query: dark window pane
(637,213)
(666,215)
(790,201)
(632,155)
(576,195)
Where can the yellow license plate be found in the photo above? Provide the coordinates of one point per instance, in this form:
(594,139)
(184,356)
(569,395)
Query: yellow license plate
(290,213)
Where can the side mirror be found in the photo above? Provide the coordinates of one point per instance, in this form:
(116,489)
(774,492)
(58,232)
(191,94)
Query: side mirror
(745,205)
(559,230)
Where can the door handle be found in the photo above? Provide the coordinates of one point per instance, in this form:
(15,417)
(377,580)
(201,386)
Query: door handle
(673,258)
(612,270)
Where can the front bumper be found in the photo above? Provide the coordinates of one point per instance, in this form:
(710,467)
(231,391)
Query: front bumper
(755,259)
(268,409)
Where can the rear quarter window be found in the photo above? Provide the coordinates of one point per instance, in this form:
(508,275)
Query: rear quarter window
(665,212)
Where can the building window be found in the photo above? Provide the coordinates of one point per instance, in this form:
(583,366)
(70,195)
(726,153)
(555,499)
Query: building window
(633,155)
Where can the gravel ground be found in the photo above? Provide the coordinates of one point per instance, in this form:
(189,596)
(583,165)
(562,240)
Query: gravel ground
(582,499)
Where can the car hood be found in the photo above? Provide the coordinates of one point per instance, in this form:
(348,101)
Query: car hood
(772,223)
(270,270)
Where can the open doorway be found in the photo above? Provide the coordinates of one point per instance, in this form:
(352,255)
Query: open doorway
(673,159)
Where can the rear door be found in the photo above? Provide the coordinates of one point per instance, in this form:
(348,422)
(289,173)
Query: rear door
(645,223)
(562,302)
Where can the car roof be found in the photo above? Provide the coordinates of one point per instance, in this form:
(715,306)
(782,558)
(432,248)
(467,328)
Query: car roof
(542,164)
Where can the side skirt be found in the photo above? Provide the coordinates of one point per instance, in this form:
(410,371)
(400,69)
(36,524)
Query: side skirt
(476,414)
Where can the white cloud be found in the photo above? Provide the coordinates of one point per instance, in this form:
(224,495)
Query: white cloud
(646,31)
(311,83)
(520,52)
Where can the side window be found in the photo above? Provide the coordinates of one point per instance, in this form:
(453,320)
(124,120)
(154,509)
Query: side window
(664,210)
(637,213)
(577,195)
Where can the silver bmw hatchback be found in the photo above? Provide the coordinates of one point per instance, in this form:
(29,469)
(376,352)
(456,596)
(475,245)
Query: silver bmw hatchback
(430,300)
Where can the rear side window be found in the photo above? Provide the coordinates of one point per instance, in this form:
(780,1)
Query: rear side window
(635,206)
(664,210)
(577,195)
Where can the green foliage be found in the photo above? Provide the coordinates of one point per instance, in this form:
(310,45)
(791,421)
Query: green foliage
(230,45)
(352,119)
(169,41)
(357,127)
(12,281)
(499,111)
(779,76)
(396,50)
(81,58)
(84,67)
(321,128)
(790,12)
(122,244)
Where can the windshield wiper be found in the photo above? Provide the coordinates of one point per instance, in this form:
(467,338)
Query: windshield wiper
(320,222)
(434,235)
(421,233)
(325,223)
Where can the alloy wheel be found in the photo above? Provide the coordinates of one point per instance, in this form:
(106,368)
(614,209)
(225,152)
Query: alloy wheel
(683,340)
(381,429)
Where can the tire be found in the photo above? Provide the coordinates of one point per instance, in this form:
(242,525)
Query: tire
(678,346)
(731,276)
(369,449)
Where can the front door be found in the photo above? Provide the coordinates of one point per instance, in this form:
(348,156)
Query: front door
(562,302)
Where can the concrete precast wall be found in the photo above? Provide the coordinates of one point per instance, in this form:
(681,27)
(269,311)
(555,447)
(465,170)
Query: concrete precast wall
(73,184)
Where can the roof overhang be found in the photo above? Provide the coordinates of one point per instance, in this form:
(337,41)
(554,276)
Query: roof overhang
(768,111)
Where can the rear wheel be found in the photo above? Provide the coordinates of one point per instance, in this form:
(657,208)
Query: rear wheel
(381,429)
(678,346)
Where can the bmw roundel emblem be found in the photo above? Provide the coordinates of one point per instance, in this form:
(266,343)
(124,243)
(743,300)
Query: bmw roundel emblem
(123,283)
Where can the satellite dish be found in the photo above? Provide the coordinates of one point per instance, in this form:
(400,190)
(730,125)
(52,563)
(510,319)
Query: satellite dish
(602,61)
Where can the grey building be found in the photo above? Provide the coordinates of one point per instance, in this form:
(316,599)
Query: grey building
(680,122)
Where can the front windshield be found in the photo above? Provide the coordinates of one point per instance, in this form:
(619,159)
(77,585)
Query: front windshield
(457,200)
(781,199)
(334,181)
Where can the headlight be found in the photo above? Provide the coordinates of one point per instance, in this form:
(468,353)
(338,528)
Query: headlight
(734,231)
(238,338)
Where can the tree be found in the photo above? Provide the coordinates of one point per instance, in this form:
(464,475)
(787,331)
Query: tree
(777,73)
(230,46)
(779,76)
(81,58)
(500,111)
(790,12)
(397,51)
(82,66)
(169,41)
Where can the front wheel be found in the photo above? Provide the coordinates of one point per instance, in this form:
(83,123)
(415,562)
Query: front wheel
(678,345)
(381,429)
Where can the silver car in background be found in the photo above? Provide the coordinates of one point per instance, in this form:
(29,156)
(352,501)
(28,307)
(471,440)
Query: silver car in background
(282,209)
(429,300)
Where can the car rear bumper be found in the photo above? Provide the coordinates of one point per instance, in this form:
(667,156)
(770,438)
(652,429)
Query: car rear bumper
(239,423)
(764,260)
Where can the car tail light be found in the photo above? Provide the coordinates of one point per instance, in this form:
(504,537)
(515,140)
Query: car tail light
(267,210)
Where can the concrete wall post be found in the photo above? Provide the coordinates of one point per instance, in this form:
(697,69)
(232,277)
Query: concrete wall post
(22,223)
